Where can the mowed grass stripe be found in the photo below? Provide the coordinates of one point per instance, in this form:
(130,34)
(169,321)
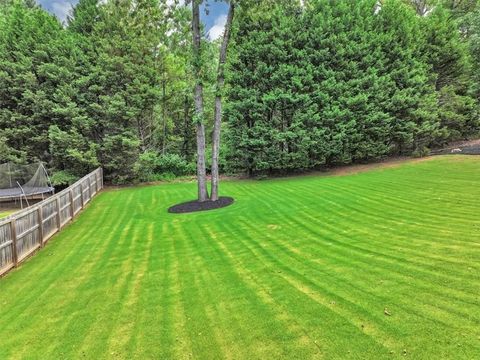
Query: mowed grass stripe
(363,227)
(280,325)
(311,222)
(49,295)
(369,253)
(152,317)
(88,295)
(46,270)
(289,325)
(290,269)
(296,268)
(305,265)
(376,270)
(240,288)
(260,299)
(291,294)
(335,250)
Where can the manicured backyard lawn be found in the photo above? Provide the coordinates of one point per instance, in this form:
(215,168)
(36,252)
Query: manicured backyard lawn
(379,264)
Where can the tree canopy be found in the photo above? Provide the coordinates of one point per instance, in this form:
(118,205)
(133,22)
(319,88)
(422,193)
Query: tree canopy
(307,84)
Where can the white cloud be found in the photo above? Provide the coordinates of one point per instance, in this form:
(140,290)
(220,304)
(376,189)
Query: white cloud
(61,9)
(217,29)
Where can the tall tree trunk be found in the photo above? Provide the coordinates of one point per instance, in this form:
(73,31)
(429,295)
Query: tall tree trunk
(201,169)
(185,147)
(218,102)
(164,114)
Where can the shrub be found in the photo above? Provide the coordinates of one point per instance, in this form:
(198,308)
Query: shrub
(63,178)
(152,166)
(421,152)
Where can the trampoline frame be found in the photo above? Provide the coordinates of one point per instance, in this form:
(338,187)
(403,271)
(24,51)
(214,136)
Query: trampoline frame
(20,193)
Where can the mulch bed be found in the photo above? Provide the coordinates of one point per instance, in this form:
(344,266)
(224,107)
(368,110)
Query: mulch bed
(194,206)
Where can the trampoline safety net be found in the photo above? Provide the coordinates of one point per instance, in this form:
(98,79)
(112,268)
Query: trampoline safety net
(18,181)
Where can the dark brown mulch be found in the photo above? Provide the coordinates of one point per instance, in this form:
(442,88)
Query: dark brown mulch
(194,206)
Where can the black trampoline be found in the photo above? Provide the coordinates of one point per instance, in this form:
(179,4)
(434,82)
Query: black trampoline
(21,182)
(17,192)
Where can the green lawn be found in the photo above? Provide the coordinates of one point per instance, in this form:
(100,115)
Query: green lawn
(5,213)
(297,268)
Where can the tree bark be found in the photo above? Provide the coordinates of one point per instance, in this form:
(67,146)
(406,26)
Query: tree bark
(164,114)
(218,102)
(201,167)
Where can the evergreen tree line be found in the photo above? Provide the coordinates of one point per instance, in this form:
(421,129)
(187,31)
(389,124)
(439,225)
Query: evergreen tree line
(111,87)
(308,83)
(339,81)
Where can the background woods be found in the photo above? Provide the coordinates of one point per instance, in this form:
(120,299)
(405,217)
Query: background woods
(344,81)
(306,84)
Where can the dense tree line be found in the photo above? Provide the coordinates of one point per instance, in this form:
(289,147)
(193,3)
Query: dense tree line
(308,83)
(112,87)
(326,82)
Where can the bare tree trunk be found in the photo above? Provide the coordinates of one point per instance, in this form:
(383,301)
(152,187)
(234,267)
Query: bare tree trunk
(201,168)
(185,144)
(218,102)
(164,115)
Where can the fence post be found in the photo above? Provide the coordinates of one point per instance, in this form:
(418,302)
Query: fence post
(81,194)
(72,208)
(40,224)
(101,178)
(97,178)
(59,220)
(89,184)
(13,230)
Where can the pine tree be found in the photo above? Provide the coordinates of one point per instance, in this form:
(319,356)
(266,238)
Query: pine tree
(36,76)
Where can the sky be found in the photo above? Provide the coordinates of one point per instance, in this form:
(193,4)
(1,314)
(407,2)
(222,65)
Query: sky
(214,21)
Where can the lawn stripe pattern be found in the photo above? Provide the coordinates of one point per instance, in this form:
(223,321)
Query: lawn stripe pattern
(378,264)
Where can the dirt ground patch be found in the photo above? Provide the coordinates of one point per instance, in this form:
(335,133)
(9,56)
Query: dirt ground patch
(358,168)
(343,170)
(471,147)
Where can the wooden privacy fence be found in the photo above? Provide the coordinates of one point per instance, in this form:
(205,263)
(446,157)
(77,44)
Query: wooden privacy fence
(28,230)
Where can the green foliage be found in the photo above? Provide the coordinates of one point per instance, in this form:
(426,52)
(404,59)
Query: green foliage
(63,178)
(458,113)
(152,166)
(449,57)
(72,152)
(119,155)
(9,154)
(331,82)
(35,79)
(470,23)
(421,152)
(343,81)
(110,86)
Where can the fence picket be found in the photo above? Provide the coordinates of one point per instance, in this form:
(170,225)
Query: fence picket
(40,225)
(72,208)
(59,220)
(81,195)
(14,242)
